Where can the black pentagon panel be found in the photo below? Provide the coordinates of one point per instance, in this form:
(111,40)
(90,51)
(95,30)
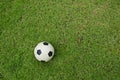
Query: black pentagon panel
(39,52)
(42,61)
(45,43)
(50,53)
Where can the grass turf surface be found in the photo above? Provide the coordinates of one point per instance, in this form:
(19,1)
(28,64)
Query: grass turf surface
(85,34)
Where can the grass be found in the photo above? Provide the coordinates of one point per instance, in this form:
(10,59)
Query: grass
(85,34)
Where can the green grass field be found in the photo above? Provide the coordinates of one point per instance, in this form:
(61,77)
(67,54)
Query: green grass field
(84,33)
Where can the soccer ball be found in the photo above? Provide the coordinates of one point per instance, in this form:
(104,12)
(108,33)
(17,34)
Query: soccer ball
(44,51)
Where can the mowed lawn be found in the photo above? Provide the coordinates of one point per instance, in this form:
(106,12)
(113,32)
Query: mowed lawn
(84,33)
